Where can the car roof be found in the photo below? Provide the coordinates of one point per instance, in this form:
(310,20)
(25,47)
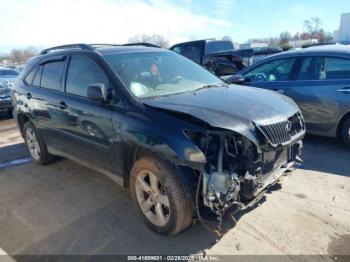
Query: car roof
(126,49)
(98,48)
(319,49)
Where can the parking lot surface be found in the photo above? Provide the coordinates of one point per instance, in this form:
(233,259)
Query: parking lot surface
(64,208)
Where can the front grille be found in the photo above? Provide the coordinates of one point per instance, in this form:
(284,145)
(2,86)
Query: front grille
(283,132)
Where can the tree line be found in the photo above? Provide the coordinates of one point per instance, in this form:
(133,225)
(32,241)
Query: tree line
(312,30)
(17,56)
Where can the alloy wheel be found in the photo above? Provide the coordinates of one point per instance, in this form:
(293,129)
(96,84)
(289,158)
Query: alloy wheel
(33,144)
(152,198)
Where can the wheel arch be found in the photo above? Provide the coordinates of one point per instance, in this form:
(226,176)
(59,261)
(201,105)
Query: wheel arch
(341,123)
(132,153)
(21,120)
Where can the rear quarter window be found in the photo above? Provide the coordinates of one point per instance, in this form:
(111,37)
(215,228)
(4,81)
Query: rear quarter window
(37,78)
(30,77)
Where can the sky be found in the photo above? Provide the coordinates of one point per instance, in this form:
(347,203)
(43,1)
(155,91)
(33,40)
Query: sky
(44,23)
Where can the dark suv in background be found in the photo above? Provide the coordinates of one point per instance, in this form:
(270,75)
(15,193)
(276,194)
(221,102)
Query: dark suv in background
(159,124)
(215,55)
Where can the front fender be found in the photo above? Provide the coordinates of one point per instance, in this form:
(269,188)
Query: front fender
(164,137)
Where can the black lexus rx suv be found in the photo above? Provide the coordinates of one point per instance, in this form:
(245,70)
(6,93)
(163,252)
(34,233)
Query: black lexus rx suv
(179,138)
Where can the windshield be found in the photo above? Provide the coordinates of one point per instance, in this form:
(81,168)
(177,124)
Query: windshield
(8,72)
(149,74)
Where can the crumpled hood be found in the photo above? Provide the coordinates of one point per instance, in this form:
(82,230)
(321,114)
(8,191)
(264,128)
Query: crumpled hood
(233,108)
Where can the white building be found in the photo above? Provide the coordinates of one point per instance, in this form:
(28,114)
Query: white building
(343,34)
(300,43)
(253,45)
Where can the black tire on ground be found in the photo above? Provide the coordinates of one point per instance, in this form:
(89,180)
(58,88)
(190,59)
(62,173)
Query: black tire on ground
(10,113)
(44,157)
(345,131)
(179,213)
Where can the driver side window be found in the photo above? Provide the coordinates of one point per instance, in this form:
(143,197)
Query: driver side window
(82,72)
(276,70)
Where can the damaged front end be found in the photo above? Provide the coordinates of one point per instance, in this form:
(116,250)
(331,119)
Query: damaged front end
(237,171)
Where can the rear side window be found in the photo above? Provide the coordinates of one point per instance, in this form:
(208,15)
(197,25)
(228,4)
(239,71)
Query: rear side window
(337,68)
(51,75)
(193,52)
(324,68)
(313,68)
(82,72)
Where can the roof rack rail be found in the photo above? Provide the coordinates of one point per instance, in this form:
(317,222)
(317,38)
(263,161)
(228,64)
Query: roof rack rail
(142,44)
(102,44)
(61,47)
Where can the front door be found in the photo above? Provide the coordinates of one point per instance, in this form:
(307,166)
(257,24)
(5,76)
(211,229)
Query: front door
(86,124)
(274,75)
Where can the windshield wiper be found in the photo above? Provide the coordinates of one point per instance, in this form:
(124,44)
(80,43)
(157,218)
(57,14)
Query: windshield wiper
(211,85)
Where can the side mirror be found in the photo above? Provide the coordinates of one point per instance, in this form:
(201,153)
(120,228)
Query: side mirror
(234,79)
(97,92)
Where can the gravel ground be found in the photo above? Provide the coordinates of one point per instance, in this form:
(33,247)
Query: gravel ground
(65,208)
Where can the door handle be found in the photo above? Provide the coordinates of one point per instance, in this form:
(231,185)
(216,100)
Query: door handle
(62,105)
(29,95)
(344,90)
(281,91)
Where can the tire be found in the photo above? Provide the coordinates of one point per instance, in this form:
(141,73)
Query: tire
(345,131)
(176,210)
(36,145)
(10,113)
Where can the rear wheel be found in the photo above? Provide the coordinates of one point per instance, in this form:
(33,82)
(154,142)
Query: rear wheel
(36,146)
(345,132)
(159,196)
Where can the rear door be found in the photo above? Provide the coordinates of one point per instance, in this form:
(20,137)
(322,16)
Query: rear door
(40,97)
(86,124)
(322,90)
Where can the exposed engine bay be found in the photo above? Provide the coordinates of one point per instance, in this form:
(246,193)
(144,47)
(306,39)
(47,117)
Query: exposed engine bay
(237,173)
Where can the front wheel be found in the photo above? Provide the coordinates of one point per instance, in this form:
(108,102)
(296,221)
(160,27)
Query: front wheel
(159,196)
(345,132)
